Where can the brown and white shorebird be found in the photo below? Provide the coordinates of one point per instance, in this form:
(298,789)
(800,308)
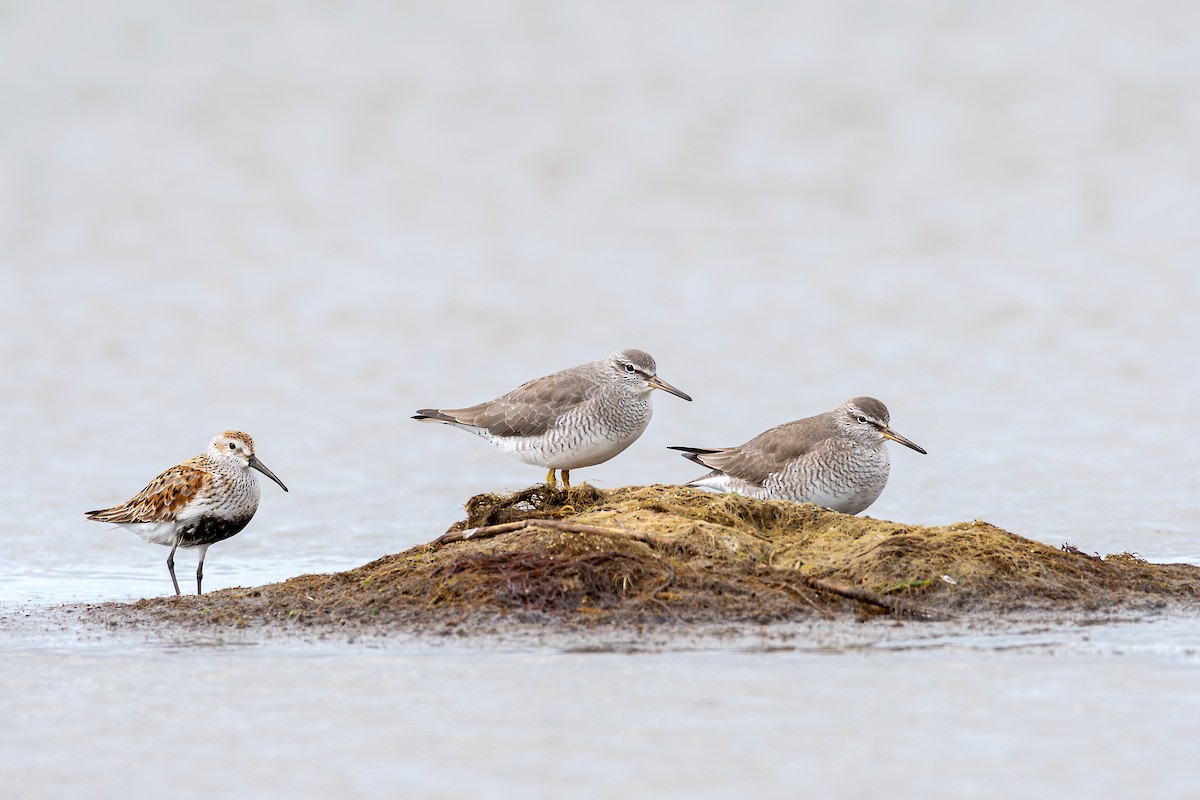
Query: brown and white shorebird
(836,459)
(578,417)
(202,501)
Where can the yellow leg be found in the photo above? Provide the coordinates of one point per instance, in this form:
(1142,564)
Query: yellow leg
(551,480)
(566,473)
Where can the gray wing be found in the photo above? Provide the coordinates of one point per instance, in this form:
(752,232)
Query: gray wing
(770,451)
(529,410)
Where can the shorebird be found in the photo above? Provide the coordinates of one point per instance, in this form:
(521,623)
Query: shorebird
(836,459)
(204,500)
(578,417)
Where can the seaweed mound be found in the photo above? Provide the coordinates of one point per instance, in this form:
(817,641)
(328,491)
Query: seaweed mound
(671,554)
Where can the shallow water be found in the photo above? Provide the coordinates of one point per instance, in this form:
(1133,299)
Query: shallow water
(1040,713)
(308,220)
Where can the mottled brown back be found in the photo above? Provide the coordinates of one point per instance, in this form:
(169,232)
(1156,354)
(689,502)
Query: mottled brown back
(163,498)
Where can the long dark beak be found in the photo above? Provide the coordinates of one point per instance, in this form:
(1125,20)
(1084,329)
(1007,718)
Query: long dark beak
(659,383)
(261,467)
(888,433)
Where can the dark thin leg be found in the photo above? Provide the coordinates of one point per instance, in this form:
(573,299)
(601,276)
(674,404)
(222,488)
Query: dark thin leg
(171,567)
(200,569)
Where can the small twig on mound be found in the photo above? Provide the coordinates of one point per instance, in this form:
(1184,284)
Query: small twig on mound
(792,591)
(898,607)
(555,524)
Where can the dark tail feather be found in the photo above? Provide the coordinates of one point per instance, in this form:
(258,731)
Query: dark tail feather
(432,415)
(693,453)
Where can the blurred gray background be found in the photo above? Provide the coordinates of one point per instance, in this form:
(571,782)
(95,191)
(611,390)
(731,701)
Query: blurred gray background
(308,219)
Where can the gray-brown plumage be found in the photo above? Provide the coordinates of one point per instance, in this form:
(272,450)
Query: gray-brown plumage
(578,417)
(836,459)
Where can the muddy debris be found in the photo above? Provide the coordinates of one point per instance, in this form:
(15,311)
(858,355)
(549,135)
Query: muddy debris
(671,555)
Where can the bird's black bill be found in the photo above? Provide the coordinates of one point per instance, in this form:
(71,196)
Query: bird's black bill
(659,383)
(261,467)
(888,433)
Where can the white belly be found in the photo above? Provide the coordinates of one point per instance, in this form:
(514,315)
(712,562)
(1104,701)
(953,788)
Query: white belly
(153,532)
(539,452)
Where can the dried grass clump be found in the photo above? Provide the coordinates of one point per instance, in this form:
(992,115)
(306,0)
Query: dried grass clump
(643,555)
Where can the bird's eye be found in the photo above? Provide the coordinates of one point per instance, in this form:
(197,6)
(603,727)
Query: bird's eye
(232,446)
(630,368)
(862,419)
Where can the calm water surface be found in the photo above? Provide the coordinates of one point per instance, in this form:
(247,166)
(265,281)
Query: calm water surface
(307,220)
(318,722)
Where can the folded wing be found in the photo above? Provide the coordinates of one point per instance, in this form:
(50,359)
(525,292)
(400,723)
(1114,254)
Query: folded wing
(529,410)
(765,454)
(162,500)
